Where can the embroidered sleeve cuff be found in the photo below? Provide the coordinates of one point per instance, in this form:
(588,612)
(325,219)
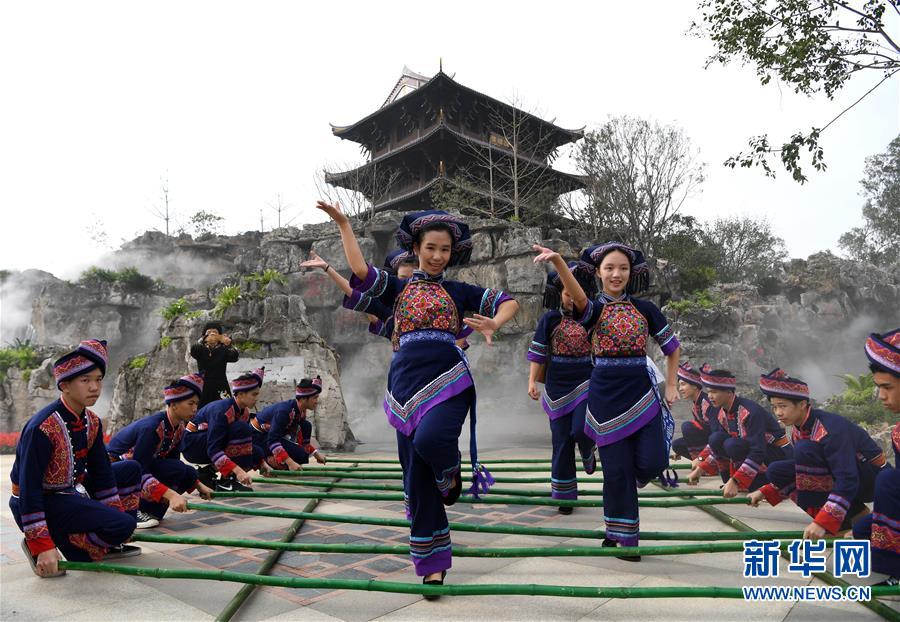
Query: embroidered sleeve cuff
(709,466)
(537,353)
(224,464)
(381,329)
(356,301)
(588,312)
(104,496)
(832,514)
(491,301)
(708,462)
(373,285)
(279,455)
(40,544)
(667,340)
(745,475)
(770,492)
(152,489)
(309,449)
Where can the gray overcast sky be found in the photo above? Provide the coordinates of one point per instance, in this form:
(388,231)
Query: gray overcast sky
(233,100)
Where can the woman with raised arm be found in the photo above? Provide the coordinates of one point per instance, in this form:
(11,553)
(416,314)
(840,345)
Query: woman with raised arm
(430,389)
(626,416)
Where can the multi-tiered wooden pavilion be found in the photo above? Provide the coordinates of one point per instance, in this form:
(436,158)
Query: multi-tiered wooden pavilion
(436,130)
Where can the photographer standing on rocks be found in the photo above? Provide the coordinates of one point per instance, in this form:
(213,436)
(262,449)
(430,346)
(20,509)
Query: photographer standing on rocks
(213,353)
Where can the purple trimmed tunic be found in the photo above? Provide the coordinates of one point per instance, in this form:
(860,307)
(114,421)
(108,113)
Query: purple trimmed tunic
(427,367)
(430,392)
(625,415)
(563,345)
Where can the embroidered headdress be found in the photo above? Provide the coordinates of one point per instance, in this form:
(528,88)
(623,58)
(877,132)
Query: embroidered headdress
(412,224)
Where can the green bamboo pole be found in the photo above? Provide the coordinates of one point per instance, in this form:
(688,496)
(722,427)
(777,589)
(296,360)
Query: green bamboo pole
(875,605)
(487,499)
(396,463)
(487,589)
(494,491)
(468,551)
(265,568)
(492,469)
(520,530)
(399,476)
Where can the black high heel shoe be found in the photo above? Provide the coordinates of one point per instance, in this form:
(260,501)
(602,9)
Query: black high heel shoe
(434,582)
(453,493)
(627,558)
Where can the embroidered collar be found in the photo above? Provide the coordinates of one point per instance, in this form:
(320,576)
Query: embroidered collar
(70,410)
(605,298)
(421,275)
(171,425)
(805,428)
(732,408)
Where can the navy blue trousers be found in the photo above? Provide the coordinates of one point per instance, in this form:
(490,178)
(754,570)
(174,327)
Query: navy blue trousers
(736,450)
(193,447)
(295,451)
(882,526)
(809,458)
(566,432)
(84,529)
(627,463)
(175,474)
(693,440)
(431,461)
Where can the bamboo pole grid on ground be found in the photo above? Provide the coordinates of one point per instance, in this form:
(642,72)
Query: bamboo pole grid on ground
(713,542)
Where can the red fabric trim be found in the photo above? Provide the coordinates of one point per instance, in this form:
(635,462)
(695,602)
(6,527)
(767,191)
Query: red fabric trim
(40,544)
(770,492)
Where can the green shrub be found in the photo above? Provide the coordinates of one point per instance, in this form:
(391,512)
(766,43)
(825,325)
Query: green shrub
(138,362)
(95,275)
(165,342)
(178,308)
(130,280)
(859,402)
(262,279)
(18,355)
(247,345)
(229,295)
(703,299)
(133,281)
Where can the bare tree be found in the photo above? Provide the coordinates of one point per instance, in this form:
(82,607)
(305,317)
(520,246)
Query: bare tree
(638,174)
(279,208)
(370,186)
(512,165)
(161,211)
(581,209)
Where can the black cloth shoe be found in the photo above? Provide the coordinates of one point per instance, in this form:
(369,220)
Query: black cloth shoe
(565,509)
(145,520)
(453,493)
(122,551)
(627,558)
(231,484)
(434,582)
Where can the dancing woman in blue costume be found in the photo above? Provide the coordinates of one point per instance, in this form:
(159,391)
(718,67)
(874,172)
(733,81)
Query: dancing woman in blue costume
(562,348)
(626,416)
(430,389)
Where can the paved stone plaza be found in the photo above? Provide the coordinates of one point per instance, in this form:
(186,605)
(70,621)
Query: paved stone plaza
(83,596)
